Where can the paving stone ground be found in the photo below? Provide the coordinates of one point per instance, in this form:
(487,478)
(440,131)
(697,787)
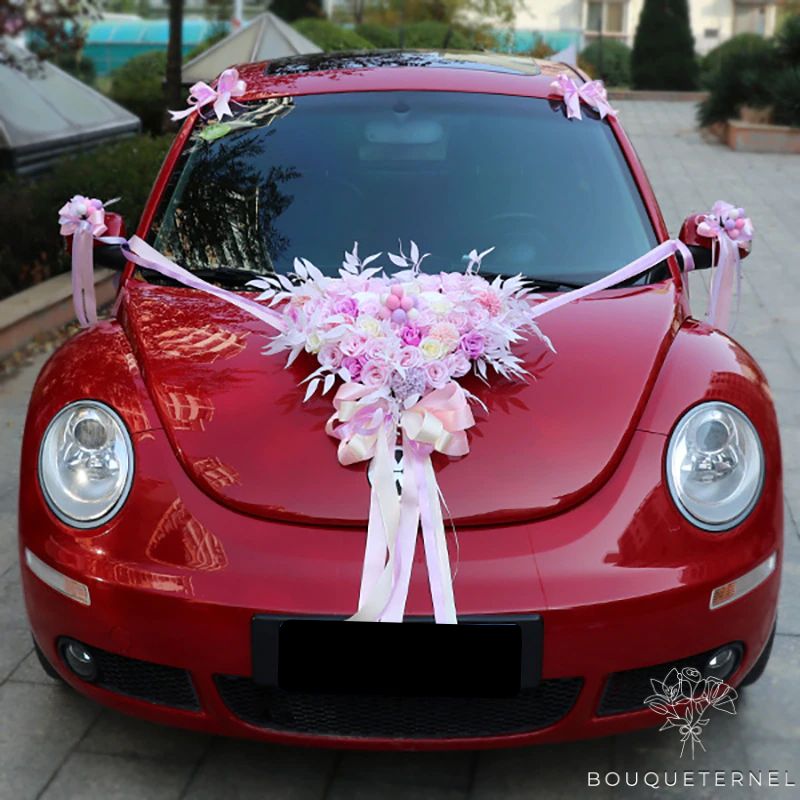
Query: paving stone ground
(56,745)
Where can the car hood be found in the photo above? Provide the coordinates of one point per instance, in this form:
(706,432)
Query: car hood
(238,425)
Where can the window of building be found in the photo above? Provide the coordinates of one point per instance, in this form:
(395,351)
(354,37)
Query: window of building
(749,17)
(605,16)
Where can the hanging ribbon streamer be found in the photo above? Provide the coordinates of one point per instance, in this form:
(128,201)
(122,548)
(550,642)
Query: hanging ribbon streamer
(367,420)
(729,228)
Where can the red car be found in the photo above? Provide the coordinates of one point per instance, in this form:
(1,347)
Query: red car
(190,545)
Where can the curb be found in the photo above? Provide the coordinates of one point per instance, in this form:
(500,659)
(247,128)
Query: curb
(45,306)
(663,96)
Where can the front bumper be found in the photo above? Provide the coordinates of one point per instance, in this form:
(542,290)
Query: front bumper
(622,582)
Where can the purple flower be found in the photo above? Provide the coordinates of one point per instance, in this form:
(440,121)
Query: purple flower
(413,383)
(473,344)
(354,365)
(411,335)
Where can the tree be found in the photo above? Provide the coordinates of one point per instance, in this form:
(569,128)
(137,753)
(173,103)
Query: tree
(292,10)
(172,86)
(663,50)
(54,25)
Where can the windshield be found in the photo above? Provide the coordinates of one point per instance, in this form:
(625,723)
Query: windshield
(308,176)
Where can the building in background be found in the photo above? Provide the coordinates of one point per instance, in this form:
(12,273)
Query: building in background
(713,21)
(562,23)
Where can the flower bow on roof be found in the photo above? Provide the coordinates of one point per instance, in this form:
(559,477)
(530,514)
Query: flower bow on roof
(201,94)
(592,93)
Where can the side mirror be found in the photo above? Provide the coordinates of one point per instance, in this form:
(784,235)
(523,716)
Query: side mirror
(701,246)
(111,255)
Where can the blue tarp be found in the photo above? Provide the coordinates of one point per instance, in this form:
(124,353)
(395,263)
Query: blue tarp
(111,42)
(525,41)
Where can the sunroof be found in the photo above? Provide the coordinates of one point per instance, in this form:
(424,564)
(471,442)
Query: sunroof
(371,59)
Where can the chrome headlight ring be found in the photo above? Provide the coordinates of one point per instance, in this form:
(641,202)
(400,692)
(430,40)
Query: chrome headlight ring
(715,466)
(86,464)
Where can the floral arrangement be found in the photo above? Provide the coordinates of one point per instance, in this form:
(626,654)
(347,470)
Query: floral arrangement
(726,219)
(401,335)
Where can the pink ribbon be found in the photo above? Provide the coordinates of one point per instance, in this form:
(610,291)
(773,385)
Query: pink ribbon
(729,228)
(593,93)
(201,94)
(366,429)
(83,218)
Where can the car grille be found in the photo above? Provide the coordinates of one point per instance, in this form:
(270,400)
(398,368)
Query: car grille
(627,691)
(398,717)
(155,683)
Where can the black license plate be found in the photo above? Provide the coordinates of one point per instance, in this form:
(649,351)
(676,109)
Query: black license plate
(479,657)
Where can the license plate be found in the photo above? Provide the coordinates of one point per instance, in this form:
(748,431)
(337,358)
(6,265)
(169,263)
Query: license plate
(479,657)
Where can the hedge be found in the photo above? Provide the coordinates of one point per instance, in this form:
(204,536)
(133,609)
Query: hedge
(756,72)
(331,37)
(616,61)
(138,85)
(124,169)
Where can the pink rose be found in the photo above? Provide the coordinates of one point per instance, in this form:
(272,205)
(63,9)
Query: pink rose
(459,319)
(411,335)
(458,364)
(437,374)
(374,374)
(354,366)
(353,344)
(376,350)
(330,356)
(473,344)
(346,306)
(409,357)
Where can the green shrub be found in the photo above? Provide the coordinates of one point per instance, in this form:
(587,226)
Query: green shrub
(435,35)
(788,41)
(616,61)
(786,97)
(331,37)
(742,77)
(380,35)
(743,44)
(138,85)
(663,49)
(124,169)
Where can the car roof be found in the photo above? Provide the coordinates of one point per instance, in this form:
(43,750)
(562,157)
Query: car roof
(381,70)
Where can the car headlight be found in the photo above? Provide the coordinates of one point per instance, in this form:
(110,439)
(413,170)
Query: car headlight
(715,466)
(86,464)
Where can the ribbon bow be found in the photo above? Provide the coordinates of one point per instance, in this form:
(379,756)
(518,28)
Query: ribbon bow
(83,218)
(592,93)
(201,94)
(367,428)
(728,228)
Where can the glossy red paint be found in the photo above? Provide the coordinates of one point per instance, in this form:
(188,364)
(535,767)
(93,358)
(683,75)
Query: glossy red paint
(562,505)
